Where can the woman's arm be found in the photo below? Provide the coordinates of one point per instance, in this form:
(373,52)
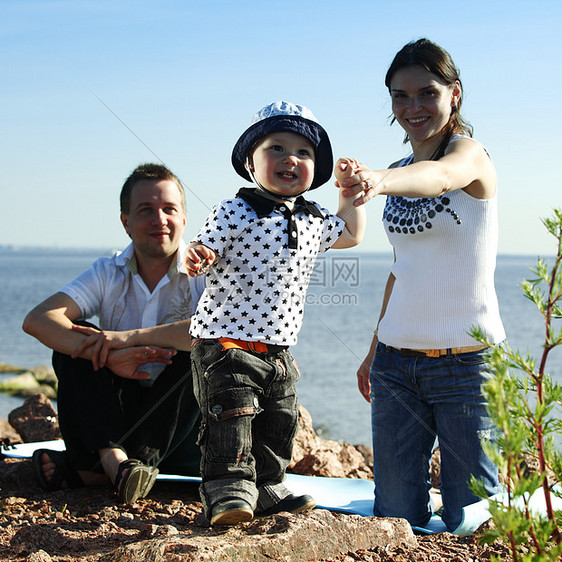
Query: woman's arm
(465,165)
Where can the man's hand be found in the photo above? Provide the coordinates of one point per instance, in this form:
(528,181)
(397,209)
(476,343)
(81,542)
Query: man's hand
(198,259)
(126,362)
(100,342)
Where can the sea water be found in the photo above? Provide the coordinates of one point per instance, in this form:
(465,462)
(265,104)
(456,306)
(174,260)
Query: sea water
(341,311)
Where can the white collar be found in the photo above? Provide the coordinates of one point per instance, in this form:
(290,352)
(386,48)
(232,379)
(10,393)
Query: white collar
(126,258)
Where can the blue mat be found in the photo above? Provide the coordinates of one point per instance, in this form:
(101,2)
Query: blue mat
(345,495)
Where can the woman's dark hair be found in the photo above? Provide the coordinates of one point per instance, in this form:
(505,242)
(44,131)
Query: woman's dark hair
(438,61)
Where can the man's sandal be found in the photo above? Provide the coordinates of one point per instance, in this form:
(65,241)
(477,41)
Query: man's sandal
(64,473)
(134,480)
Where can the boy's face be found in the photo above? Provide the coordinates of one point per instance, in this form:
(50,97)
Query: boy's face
(283,163)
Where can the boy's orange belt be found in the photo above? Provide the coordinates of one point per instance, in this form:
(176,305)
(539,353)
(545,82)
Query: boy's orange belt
(258,346)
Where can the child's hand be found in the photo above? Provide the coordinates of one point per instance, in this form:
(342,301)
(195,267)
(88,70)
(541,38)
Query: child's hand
(345,168)
(198,259)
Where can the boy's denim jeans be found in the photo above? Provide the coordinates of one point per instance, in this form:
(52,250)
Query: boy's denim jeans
(249,413)
(415,399)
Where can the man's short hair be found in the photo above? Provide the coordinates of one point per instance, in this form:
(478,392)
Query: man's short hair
(147,171)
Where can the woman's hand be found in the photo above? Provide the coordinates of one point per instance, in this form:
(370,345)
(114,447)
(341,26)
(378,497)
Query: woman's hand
(363,180)
(363,378)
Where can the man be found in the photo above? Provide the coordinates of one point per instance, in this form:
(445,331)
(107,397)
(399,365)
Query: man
(125,396)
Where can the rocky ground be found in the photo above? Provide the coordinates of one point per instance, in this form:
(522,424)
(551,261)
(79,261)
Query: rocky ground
(88,525)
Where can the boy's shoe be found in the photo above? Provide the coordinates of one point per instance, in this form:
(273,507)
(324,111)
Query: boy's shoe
(291,504)
(231,512)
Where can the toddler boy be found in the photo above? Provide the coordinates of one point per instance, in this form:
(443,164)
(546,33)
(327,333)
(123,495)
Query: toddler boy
(260,248)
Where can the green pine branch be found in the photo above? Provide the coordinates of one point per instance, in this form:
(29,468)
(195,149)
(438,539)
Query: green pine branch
(525,405)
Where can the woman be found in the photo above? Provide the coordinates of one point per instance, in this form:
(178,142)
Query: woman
(424,371)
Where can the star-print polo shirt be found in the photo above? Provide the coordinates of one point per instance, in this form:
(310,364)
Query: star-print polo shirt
(256,289)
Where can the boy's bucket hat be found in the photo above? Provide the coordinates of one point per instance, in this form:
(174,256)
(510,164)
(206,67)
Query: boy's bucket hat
(282,116)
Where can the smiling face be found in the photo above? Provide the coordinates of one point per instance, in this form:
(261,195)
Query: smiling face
(283,163)
(422,102)
(156,218)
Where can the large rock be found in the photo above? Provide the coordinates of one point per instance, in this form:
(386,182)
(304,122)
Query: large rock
(314,456)
(317,535)
(35,420)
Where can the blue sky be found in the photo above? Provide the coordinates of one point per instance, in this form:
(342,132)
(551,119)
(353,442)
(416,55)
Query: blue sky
(182,80)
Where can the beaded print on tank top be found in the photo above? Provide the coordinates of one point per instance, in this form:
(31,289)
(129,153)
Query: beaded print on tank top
(410,216)
(406,215)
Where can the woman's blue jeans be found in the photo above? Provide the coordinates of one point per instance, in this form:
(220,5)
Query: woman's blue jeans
(414,400)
